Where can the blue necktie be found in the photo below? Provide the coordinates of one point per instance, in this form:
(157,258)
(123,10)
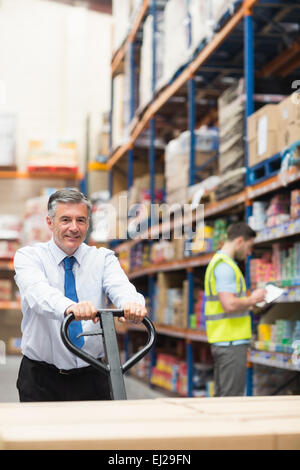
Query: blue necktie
(75,327)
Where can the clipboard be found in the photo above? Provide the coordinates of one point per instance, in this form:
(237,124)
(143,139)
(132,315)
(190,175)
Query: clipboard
(273,293)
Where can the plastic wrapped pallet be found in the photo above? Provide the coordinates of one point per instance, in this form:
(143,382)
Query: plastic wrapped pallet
(118,111)
(231,183)
(123,13)
(201,21)
(176,38)
(146,72)
(219,8)
(127,97)
(231,110)
(121,21)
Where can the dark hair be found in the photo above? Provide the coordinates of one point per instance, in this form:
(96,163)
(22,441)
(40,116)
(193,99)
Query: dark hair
(240,229)
(67,196)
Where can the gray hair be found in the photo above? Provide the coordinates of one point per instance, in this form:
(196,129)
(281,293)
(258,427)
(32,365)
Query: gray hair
(67,196)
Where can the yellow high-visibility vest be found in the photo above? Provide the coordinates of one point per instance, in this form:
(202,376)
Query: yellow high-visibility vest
(222,326)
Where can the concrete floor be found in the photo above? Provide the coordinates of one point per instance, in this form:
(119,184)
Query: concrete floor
(8,375)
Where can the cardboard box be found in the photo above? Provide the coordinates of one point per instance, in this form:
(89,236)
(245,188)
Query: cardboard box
(289,108)
(265,423)
(289,115)
(263,128)
(289,134)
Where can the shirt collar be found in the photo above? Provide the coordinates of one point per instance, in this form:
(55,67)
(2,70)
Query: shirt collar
(223,253)
(59,254)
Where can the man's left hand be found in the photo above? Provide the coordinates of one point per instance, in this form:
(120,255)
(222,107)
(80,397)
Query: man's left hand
(134,312)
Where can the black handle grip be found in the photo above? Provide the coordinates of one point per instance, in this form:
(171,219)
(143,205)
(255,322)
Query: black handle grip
(79,352)
(93,361)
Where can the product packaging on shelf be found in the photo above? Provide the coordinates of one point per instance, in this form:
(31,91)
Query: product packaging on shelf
(52,154)
(35,228)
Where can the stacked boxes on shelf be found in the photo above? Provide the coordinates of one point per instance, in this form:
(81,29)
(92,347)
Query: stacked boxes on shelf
(263,134)
(273,128)
(53,154)
(177,162)
(231,112)
(170,305)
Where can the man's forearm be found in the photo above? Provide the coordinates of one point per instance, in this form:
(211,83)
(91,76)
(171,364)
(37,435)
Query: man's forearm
(233,304)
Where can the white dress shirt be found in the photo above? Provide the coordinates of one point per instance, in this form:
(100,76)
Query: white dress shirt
(40,279)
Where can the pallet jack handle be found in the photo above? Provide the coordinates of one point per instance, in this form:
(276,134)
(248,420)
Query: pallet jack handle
(106,322)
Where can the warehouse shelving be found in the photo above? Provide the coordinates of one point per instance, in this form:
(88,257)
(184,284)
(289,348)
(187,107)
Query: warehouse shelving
(207,61)
(56,174)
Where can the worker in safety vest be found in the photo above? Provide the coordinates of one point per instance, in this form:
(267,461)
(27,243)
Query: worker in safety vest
(228,321)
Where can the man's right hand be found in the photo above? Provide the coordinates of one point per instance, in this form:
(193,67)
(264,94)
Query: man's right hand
(258,295)
(83,311)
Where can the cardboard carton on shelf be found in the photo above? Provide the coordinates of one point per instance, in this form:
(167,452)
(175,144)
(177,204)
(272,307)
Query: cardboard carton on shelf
(289,115)
(289,108)
(263,131)
(289,134)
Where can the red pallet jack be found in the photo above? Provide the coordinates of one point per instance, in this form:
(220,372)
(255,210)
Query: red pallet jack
(113,367)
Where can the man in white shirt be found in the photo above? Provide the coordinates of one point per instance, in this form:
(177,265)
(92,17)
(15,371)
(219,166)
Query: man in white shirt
(48,371)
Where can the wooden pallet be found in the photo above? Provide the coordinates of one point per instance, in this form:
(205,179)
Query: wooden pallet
(265,169)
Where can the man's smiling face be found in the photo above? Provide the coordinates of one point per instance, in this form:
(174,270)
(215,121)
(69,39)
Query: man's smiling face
(69,226)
